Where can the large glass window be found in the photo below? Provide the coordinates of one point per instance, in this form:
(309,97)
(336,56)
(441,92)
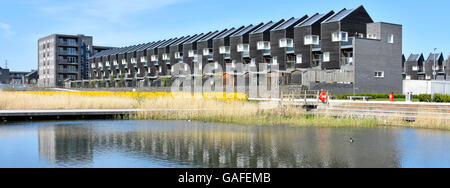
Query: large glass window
(391,39)
(299,59)
(284,43)
(339,36)
(311,40)
(224,50)
(243,48)
(326,57)
(263,45)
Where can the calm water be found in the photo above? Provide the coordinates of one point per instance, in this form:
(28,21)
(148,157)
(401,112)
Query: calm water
(182,144)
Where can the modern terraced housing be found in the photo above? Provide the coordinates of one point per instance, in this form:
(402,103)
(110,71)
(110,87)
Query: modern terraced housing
(342,52)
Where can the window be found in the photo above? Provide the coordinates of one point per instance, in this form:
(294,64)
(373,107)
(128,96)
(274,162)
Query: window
(275,60)
(311,39)
(408,77)
(93,66)
(206,51)
(124,61)
(115,62)
(415,68)
(166,57)
(391,39)
(263,45)
(243,48)
(224,50)
(428,77)
(299,59)
(339,36)
(143,59)
(178,55)
(326,57)
(284,43)
(154,58)
(379,74)
(253,62)
(133,60)
(192,53)
(372,36)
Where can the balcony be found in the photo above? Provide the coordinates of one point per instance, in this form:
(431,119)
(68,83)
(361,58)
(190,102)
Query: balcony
(246,54)
(227,56)
(125,66)
(290,50)
(266,52)
(347,44)
(317,47)
(210,57)
(290,65)
(156,63)
(135,65)
(65,43)
(346,61)
(65,52)
(117,67)
(317,63)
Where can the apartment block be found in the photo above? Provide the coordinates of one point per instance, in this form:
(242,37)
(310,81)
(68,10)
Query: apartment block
(62,57)
(342,52)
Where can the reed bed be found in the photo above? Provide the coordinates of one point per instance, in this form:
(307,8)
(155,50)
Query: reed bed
(232,110)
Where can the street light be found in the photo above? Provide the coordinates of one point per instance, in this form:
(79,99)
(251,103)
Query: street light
(434,74)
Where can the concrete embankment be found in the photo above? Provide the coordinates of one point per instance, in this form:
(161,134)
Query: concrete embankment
(407,110)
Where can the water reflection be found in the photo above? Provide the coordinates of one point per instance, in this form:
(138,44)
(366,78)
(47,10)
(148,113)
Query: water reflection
(212,145)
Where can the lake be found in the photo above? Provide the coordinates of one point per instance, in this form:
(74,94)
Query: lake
(180,144)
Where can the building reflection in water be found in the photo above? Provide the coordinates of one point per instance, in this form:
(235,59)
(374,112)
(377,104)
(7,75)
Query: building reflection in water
(212,145)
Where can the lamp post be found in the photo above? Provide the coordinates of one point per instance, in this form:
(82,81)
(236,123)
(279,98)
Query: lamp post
(434,74)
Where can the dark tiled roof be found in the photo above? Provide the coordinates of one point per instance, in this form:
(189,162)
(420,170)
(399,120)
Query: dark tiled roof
(228,33)
(247,30)
(197,38)
(288,23)
(436,56)
(414,57)
(183,40)
(212,35)
(314,19)
(267,26)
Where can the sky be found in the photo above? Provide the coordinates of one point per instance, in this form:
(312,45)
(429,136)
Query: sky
(128,22)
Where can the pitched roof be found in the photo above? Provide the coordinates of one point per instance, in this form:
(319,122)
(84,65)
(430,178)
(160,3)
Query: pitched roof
(183,40)
(268,26)
(289,23)
(247,30)
(212,35)
(415,57)
(339,16)
(314,19)
(196,38)
(228,33)
(435,56)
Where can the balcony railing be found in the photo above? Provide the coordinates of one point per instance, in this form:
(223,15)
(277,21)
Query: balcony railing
(290,50)
(347,61)
(65,43)
(117,66)
(317,63)
(290,64)
(227,56)
(348,43)
(266,52)
(156,63)
(317,47)
(210,57)
(246,54)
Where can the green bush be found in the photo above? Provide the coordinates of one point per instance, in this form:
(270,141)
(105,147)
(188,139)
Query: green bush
(373,95)
(425,98)
(441,98)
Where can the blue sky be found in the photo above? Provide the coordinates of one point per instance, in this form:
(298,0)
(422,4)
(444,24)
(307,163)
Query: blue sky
(127,22)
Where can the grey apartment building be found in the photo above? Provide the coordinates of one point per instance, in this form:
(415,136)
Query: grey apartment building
(434,67)
(342,52)
(62,57)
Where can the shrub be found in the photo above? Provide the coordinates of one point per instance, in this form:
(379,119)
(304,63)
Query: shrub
(424,98)
(441,98)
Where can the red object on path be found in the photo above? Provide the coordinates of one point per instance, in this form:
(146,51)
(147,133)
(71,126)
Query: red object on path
(323,96)
(391,97)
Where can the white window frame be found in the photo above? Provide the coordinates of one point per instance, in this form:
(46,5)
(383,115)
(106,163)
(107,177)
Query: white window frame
(192,53)
(243,48)
(415,68)
(299,59)
(286,43)
(427,77)
(154,58)
(115,62)
(206,51)
(124,61)
(338,36)
(224,50)
(263,45)
(166,57)
(143,59)
(311,40)
(391,38)
(275,60)
(408,77)
(379,74)
(326,57)
(178,55)
(133,61)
